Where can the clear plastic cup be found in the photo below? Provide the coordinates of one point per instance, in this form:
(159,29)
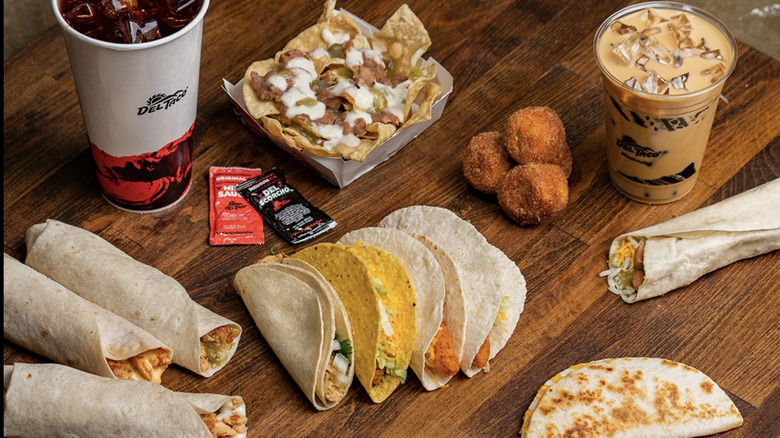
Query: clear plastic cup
(655,143)
(139,104)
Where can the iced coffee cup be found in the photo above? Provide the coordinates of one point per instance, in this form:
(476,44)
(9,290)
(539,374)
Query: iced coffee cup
(663,68)
(136,67)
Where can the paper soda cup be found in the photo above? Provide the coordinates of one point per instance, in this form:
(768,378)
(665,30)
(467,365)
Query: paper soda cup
(663,67)
(139,103)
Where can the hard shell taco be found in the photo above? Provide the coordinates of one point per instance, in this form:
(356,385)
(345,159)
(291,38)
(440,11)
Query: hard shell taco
(335,92)
(380,303)
(441,316)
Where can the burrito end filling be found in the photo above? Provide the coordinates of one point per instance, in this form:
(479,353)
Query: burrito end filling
(626,266)
(336,380)
(215,346)
(147,366)
(440,356)
(229,422)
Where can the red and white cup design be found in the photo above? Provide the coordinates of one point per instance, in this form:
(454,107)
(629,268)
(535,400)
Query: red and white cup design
(139,103)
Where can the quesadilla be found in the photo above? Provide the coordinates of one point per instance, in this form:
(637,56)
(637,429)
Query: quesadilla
(91,267)
(630,397)
(653,261)
(47,319)
(380,303)
(52,400)
(440,312)
(494,289)
(304,322)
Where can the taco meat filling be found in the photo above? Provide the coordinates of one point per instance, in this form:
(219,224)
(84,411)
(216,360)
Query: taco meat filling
(230,421)
(147,366)
(337,105)
(215,346)
(387,350)
(440,356)
(626,267)
(481,359)
(336,380)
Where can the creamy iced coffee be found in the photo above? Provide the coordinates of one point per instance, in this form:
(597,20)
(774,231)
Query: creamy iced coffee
(663,66)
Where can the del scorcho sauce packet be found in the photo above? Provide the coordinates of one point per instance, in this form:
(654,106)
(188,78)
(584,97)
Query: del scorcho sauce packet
(295,218)
(232,220)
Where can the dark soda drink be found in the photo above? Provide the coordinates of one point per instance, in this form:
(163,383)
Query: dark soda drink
(128,21)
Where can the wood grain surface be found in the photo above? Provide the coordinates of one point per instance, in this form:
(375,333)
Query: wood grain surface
(504,55)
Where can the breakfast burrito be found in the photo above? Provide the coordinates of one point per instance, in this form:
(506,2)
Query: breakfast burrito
(52,400)
(659,259)
(380,304)
(85,263)
(493,286)
(637,397)
(50,320)
(334,91)
(436,354)
(304,323)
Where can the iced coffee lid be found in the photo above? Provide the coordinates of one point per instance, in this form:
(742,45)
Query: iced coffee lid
(636,43)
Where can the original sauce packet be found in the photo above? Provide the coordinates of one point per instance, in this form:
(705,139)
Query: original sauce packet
(288,212)
(232,220)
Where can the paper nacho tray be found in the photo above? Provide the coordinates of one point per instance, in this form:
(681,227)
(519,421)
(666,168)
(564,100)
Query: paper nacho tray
(338,171)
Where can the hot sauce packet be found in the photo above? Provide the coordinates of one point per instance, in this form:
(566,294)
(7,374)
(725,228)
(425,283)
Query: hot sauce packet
(232,220)
(295,218)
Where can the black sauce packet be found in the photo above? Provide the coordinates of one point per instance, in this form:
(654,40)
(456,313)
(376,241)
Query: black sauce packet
(288,212)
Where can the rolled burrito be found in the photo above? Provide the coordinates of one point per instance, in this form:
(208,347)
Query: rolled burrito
(52,400)
(202,341)
(653,261)
(305,323)
(48,319)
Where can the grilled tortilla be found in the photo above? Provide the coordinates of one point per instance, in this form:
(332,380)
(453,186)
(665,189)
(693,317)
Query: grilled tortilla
(630,397)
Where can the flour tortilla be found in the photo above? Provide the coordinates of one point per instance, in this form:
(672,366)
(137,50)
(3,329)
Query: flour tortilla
(630,397)
(103,274)
(683,249)
(432,294)
(486,274)
(299,315)
(50,320)
(52,400)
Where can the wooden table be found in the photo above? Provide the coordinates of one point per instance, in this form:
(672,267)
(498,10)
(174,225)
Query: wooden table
(504,55)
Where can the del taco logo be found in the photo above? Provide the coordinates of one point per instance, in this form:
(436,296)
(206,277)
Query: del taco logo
(636,152)
(161,101)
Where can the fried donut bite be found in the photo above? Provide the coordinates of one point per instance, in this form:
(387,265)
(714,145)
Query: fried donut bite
(486,161)
(530,193)
(536,135)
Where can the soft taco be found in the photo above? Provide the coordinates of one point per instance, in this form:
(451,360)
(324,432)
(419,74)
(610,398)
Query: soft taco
(335,92)
(202,341)
(304,322)
(48,319)
(440,311)
(52,400)
(380,303)
(631,397)
(653,261)
(494,289)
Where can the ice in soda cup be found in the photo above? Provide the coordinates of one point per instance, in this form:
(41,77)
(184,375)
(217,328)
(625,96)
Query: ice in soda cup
(663,67)
(136,65)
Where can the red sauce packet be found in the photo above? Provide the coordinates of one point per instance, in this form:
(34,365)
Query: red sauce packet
(232,219)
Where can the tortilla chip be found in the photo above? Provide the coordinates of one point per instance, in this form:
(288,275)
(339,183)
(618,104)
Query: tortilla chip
(403,39)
